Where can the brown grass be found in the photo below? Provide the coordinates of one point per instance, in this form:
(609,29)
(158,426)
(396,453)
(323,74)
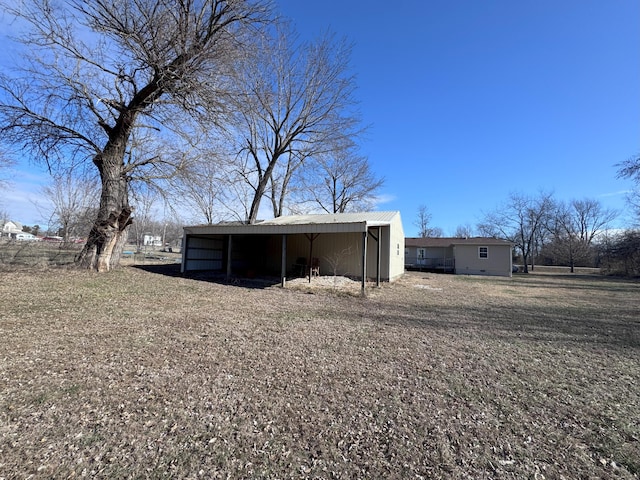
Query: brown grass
(139,374)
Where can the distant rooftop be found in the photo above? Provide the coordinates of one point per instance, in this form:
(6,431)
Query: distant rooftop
(449,241)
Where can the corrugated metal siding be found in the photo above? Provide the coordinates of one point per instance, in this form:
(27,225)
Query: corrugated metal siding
(342,254)
(204,253)
(338,254)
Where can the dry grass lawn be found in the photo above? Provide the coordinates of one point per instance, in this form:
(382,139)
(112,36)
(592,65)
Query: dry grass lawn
(140,374)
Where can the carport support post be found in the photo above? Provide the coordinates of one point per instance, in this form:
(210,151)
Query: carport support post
(310,255)
(229,258)
(183,252)
(283,267)
(378,258)
(364,261)
(377,239)
(311,237)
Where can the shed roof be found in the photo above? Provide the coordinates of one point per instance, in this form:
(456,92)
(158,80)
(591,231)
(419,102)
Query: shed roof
(320,223)
(450,241)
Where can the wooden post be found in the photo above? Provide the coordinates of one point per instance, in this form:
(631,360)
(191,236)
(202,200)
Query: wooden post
(377,239)
(184,247)
(378,258)
(283,268)
(311,237)
(364,262)
(229,257)
(310,256)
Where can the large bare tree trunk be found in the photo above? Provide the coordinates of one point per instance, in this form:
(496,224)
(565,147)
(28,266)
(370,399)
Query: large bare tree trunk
(109,233)
(264,178)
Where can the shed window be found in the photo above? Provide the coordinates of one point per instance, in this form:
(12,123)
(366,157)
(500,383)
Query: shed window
(483,252)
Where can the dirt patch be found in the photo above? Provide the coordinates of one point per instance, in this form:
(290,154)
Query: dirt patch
(140,374)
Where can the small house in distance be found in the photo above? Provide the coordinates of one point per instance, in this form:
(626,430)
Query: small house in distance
(462,256)
(10,229)
(367,245)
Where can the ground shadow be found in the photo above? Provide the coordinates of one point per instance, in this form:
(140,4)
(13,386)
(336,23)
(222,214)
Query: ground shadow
(173,270)
(555,324)
(582,282)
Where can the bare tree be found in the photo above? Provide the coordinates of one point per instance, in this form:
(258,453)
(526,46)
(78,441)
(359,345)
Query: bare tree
(620,253)
(201,187)
(630,168)
(339,181)
(280,182)
(574,226)
(74,199)
(5,165)
(520,220)
(463,231)
(204,191)
(145,201)
(100,73)
(172,232)
(335,261)
(422,222)
(298,101)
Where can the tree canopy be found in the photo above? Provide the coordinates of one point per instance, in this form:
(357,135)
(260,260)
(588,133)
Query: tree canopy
(124,85)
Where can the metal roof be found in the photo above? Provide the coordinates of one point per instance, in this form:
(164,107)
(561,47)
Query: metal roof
(321,223)
(382,218)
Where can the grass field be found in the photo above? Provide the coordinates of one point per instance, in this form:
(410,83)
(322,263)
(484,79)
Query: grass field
(140,373)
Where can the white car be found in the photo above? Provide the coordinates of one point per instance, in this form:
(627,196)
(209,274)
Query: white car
(26,237)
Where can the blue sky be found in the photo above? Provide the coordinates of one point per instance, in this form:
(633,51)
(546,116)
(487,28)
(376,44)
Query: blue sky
(470,100)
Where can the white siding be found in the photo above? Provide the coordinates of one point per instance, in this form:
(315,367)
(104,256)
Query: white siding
(395,249)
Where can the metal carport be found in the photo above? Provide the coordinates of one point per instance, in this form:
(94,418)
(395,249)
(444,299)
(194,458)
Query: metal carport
(241,248)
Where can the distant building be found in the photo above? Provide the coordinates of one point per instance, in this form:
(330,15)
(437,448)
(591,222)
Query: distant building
(149,240)
(462,256)
(10,229)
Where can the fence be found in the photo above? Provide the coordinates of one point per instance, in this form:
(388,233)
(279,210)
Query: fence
(31,253)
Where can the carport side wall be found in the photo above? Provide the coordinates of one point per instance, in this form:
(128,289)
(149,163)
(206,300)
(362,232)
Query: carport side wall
(203,253)
(338,254)
(209,252)
(394,249)
(342,251)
